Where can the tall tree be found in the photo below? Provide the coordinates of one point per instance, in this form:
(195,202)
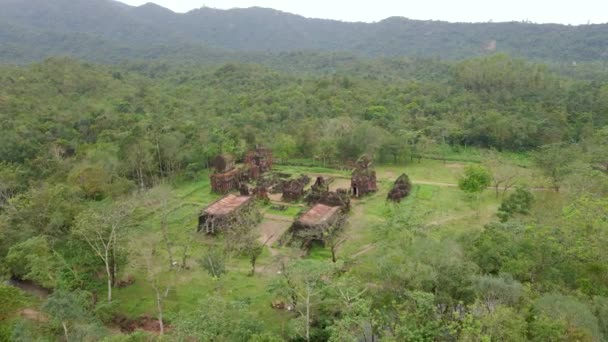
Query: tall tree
(302,283)
(68,308)
(104,229)
(555,161)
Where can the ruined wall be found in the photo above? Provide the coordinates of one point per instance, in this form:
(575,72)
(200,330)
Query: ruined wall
(222,183)
(401,189)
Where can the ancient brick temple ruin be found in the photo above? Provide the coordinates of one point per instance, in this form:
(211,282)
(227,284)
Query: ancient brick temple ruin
(315,223)
(319,193)
(224,213)
(363,180)
(226,176)
(293,189)
(258,161)
(401,189)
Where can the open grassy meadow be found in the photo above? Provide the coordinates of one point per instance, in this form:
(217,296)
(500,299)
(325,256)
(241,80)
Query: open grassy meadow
(443,209)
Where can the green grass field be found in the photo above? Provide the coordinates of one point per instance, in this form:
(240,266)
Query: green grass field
(440,206)
(443,209)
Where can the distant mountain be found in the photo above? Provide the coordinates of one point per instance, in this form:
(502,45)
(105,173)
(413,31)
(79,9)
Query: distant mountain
(110,31)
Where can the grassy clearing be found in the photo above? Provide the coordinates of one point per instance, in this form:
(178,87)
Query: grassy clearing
(193,284)
(289,211)
(444,209)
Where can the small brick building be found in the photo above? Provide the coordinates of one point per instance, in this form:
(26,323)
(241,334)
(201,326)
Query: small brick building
(223,213)
(316,222)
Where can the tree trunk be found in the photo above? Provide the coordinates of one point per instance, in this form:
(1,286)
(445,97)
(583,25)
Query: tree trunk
(160,158)
(163,225)
(140,175)
(184,257)
(253,261)
(65,331)
(109,273)
(308,313)
(113,269)
(159,305)
(333,254)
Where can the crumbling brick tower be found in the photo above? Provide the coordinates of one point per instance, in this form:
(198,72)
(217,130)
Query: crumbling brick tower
(226,176)
(363,180)
(258,161)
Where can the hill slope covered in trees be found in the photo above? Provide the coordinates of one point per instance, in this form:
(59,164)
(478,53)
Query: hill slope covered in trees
(109,31)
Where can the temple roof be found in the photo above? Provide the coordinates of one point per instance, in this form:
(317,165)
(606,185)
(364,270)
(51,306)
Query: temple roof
(317,215)
(226,205)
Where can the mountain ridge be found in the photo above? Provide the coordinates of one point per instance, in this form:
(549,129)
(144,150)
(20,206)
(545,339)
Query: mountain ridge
(36,29)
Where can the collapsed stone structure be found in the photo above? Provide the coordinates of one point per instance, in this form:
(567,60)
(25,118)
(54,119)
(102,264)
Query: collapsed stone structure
(227,177)
(293,189)
(363,180)
(319,193)
(318,189)
(401,189)
(258,161)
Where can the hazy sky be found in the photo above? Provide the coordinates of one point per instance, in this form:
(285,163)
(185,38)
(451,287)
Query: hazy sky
(540,11)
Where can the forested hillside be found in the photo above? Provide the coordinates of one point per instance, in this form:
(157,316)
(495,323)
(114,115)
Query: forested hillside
(109,31)
(494,102)
(105,168)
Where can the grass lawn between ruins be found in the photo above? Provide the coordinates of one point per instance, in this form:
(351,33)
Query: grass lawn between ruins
(445,209)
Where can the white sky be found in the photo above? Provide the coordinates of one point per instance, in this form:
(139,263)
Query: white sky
(538,11)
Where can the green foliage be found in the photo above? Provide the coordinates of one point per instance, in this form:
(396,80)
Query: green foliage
(519,202)
(12,181)
(77,139)
(475,179)
(70,310)
(216,319)
(493,291)
(34,260)
(542,328)
(48,210)
(600,309)
(555,161)
(504,324)
(284,147)
(575,314)
(354,323)
(25,331)
(411,319)
(11,299)
(536,252)
(214,262)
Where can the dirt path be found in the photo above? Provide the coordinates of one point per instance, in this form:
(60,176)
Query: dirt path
(436,184)
(451,185)
(271,230)
(34,315)
(277,218)
(367,248)
(451,218)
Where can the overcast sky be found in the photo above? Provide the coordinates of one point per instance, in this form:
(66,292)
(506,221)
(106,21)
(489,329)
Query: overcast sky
(539,11)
